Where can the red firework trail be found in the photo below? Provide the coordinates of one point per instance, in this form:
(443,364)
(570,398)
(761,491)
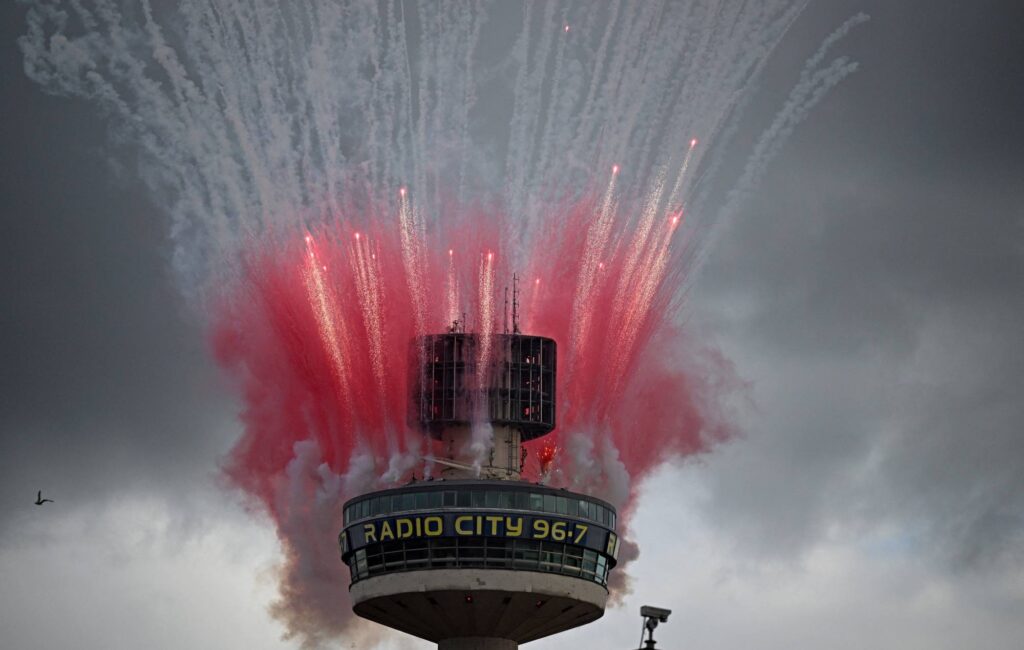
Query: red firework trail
(318,332)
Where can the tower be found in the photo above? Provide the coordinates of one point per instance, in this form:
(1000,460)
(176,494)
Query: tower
(477,558)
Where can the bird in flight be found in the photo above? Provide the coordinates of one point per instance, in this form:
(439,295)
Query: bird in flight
(40,500)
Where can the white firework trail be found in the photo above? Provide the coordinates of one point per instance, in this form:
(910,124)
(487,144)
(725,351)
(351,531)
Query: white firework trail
(452,291)
(257,117)
(482,437)
(331,327)
(411,229)
(368,289)
(597,241)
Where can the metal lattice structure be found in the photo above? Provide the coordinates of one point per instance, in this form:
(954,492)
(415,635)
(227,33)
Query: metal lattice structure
(516,387)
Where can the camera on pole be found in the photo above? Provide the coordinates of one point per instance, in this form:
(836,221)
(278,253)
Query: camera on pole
(652,616)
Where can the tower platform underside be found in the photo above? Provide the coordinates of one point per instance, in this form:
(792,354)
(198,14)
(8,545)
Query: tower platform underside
(478,603)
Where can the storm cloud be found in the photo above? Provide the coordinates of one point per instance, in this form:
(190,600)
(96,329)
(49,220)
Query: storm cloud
(869,294)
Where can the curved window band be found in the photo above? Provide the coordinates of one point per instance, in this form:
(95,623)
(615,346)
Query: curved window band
(556,505)
(482,553)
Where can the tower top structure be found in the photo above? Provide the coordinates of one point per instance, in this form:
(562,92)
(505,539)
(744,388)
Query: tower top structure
(475,557)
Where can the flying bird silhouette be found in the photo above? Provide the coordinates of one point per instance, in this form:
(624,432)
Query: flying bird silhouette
(40,500)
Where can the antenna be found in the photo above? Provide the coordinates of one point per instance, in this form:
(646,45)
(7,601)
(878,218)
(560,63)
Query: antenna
(506,307)
(515,303)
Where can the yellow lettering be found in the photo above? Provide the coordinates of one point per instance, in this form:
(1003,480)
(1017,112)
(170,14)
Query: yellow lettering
(403,528)
(419,527)
(459,530)
(385,532)
(370,532)
(513,526)
(495,520)
(558,531)
(581,531)
(541,529)
(479,525)
(433,526)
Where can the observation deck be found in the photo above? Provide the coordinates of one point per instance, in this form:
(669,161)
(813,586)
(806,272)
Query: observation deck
(479,558)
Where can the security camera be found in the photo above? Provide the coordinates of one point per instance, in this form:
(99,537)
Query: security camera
(655,612)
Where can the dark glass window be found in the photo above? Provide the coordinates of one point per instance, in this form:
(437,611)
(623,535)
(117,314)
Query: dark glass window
(416,553)
(505,500)
(470,554)
(522,500)
(408,501)
(549,503)
(364,508)
(444,557)
(449,499)
(536,502)
(421,500)
(550,556)
(434,499)
(464,499)
(572,564)
(491,499)
(526,554)
(560,505)
(396,503)
(574,508)
(499,551)
(439,553)
(585,509)
(478,498)
(375,560)
(394,559)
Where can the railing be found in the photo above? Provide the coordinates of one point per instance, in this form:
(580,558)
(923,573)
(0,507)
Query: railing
(482,553)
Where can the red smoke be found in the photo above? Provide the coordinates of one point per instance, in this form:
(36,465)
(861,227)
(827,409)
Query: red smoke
(318,327)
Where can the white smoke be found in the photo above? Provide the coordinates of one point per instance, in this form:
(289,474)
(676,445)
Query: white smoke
(593,463)
(257,115)
(314,603)
(261,115)
(310,502)
(362,472)
(596,469)
(812,86)
(481,442)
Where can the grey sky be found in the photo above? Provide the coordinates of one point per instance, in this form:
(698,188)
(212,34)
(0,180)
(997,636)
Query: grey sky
(871,294)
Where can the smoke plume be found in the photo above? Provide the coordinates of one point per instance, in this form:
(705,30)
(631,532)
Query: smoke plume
(340,177)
